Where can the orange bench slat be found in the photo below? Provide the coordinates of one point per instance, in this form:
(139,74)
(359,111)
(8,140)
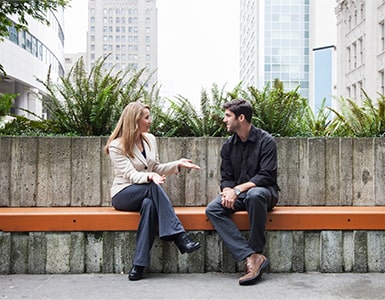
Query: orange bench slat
(25,219)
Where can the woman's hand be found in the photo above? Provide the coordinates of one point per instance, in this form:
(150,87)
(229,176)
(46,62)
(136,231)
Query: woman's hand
(187,163)
(156,178)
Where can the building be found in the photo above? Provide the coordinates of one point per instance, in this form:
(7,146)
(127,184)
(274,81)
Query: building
(28,56)
(361,48)
(275,43)
(125,32)
(70,60)
(277,39)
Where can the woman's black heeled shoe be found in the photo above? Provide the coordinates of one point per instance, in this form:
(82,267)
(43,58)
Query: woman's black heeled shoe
(185,244)
(136,273)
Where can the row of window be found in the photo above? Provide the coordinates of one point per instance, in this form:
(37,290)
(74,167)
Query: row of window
(121,39)
(122,66)
(110,29)
(34,46)
(120,11)
(121,57)
(110,20)
(120,48)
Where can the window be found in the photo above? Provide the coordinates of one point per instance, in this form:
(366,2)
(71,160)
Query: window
(13,34)
(382,32)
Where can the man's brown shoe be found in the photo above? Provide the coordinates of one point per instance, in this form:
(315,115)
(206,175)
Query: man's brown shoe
(255,265)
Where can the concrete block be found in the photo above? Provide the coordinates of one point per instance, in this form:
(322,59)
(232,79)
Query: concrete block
(37,250)
(348,251)
(168,258)
(281,251)
(86,171)
(5,252)
(54,175)
(19,250)
(77,253)
(94,252)
(213,251)
(124,247)
(5,170)
(312,253)
(331,252)
(360,251)
(108,252)
(23,189)
(376,251)
(196,260)
(159,255)
(298,259)
(58,252)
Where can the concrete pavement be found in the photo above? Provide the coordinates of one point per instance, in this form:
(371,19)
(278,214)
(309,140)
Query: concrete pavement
(194,286)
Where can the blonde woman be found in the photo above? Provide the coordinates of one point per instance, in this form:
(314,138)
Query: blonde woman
(137,185)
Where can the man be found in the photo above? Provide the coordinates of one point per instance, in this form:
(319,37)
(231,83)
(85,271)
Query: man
(248,182)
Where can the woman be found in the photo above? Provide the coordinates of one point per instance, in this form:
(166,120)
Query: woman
(137,185)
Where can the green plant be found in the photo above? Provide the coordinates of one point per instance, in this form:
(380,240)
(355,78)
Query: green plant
(22,126)
(6,102)
(317,125)
(277,111)
(367,120)
(91,103)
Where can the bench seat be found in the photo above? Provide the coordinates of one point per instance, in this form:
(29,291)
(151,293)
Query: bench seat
(47,219)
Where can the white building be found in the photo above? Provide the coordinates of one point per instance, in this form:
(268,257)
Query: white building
(27,56)
(361,48)
(126,32)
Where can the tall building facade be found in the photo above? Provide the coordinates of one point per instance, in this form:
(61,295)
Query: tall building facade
(275,43)
(361,48)
(28,55)
(124,31)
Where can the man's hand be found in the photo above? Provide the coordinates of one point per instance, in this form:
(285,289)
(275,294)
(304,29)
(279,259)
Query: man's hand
(228,198)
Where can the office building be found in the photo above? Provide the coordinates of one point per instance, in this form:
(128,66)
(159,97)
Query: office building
(275,43)
(361,48)
(125,32)
(28,56)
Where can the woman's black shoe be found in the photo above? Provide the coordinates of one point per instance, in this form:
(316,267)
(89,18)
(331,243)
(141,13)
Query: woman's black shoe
(185,244)
(136,273)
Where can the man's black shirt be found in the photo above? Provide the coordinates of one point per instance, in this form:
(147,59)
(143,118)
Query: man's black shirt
(254,160)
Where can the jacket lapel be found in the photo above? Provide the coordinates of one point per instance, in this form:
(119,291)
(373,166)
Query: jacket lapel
(140,156)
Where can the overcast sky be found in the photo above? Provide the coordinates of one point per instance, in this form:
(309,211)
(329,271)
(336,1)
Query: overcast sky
(198,42)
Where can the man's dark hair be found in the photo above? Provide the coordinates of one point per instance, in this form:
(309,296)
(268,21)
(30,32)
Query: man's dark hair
(240,107)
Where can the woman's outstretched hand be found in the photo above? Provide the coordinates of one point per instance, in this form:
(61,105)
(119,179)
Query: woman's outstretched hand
(187,163)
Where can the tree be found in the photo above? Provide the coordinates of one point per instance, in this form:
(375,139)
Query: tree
(37,9)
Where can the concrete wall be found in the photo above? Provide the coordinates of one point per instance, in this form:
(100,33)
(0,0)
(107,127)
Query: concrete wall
(112,252)
(75,172)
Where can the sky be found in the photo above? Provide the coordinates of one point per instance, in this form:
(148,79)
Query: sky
(198,44)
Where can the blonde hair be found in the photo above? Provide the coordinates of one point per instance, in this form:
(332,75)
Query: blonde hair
(127,128)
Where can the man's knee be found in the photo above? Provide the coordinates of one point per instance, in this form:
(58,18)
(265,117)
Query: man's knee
(258,193)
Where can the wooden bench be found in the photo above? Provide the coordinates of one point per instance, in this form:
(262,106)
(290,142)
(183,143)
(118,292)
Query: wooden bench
(46,219)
